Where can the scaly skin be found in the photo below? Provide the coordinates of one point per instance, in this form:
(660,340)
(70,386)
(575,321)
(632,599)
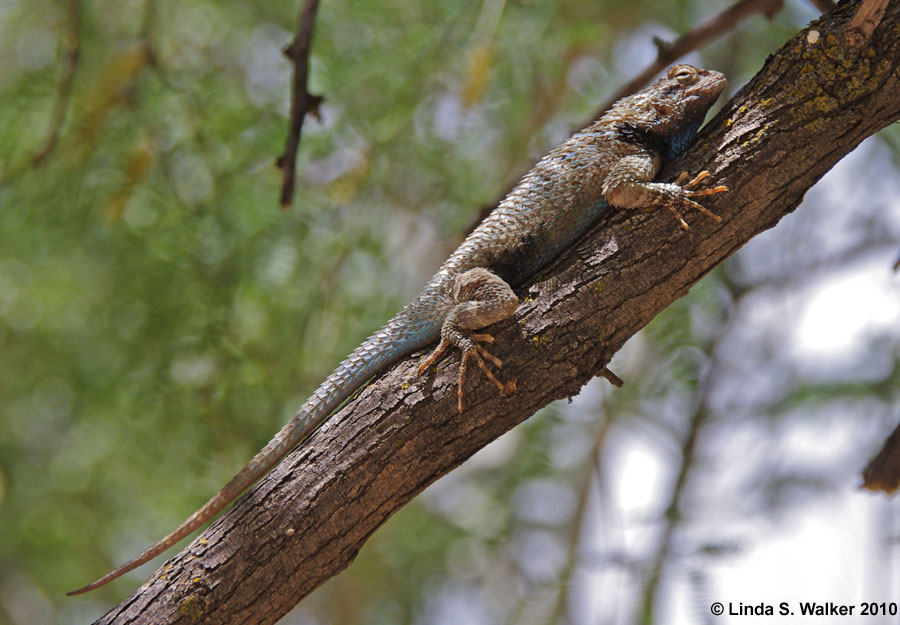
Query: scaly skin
(612,161)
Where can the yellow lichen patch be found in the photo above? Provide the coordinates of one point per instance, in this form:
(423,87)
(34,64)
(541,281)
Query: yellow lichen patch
(540,341)
(816,125)
(404,385)
(204,542)
(191,607)
(758,135)
(817,106)
(599,286)
(824,104)
(196,580)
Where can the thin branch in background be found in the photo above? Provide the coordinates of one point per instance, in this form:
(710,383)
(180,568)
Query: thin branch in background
(668,53)
(591,480)
(70,44)
(479,56)
(673,516)
(882,474)
(148,27)
(823,5)
(302,101)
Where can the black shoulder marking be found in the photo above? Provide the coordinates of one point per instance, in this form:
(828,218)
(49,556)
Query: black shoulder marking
(515,262)
(641,137)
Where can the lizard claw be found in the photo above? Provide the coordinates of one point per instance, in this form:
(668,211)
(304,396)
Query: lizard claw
(433,356)
(719,189)
(479,354)
(489,356)
(471,351)
(694,181)
(699,207)
(678,216)
(691,192)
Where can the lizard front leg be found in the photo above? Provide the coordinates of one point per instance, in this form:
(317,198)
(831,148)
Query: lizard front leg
(627,185)
(480,298)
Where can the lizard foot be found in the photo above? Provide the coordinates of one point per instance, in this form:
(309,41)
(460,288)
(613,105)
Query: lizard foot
(471,350)
(691,192)
(479,355)
(480,298)
(435,355)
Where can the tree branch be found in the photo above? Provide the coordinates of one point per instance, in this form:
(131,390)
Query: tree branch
(302,101)
(668,53)
(813,102)
(70,44)
(883,473)
(823,5)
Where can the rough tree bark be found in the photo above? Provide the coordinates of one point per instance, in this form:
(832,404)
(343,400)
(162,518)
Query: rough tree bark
(813,102)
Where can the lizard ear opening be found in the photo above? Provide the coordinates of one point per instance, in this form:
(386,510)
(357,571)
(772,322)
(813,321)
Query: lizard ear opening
(664,110)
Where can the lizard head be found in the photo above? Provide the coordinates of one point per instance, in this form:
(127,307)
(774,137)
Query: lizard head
(669,112)
(684,96)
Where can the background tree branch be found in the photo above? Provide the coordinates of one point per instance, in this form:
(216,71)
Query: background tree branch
(812,103)
(883,472)
(669,52)
(70,45)
(302,101)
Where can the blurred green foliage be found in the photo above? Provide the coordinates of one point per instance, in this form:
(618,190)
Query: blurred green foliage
(160,318)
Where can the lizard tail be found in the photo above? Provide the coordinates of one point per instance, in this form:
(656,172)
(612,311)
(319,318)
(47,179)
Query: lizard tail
(377,352)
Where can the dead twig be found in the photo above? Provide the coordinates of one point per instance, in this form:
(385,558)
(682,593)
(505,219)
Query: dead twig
(302,101)
(668,53)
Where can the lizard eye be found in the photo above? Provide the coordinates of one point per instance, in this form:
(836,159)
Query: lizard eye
(684,74)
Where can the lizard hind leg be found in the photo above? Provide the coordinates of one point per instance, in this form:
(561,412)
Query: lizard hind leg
(480,298)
